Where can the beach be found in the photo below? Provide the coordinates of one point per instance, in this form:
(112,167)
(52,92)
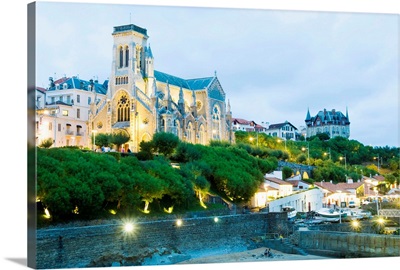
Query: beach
(253,255)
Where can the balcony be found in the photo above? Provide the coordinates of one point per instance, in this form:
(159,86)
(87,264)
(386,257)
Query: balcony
(69,132)
(79,134)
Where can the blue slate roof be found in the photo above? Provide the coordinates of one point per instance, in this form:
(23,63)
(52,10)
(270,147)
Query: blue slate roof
(192,84)
(76,83)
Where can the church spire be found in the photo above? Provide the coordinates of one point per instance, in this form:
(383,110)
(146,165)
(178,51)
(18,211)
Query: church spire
(181,102)
(168,97)
(194,98)
(229,107)
(308,117)
(347,114)
(154,92)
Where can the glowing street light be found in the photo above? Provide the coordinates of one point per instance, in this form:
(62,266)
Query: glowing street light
(355,224)
(325,154)
(279,141)
(252,139)
(179,222)
(128,227)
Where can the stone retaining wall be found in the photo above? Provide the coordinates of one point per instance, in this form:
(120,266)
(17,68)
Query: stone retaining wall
(106,245)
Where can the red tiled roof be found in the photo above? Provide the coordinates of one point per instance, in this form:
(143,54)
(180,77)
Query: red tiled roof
(379,177)
(241,121)
(277,181)
(61,80)
(41,89)
(343,187)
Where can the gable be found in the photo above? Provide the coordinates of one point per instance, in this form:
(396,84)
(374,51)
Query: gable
(215,91)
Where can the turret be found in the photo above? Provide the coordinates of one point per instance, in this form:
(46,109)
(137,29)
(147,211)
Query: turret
(181,102)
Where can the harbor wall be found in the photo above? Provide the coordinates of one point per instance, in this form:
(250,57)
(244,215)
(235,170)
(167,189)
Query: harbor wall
(348,245)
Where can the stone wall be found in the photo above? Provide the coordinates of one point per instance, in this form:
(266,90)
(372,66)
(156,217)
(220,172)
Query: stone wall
(349,245)
(107,245)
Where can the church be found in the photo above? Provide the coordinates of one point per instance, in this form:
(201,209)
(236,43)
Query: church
(141,101)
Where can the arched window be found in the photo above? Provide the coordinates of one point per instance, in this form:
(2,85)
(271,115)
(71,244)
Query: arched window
(189,132)
(138,58)
(126,56)
(123,109)
(216,123)
(177,127)
(121,57)
(201,135)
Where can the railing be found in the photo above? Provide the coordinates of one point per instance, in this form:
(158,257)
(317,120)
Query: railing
(100,105)
(69,132)
(389,212)
(79,134)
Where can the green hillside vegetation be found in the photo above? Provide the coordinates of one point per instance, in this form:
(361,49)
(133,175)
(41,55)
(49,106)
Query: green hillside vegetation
(170,176)
(334,159)
(74,184)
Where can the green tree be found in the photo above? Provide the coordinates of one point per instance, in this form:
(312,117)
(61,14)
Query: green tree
(146,150)
(46,143)
(119,138)
(187,152)
(165,143)
(104,139)
(287,172)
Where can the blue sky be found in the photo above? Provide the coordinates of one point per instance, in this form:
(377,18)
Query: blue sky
(284,80)
(272,64)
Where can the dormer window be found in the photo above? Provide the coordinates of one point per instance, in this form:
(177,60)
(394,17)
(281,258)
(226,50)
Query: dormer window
(65,86)
(57,86)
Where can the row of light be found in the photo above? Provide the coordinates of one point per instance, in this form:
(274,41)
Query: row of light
(129,226)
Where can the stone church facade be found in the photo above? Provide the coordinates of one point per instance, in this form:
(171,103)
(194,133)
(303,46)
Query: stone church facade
(141,101)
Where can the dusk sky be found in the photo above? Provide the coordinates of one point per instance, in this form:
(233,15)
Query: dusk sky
(273,64)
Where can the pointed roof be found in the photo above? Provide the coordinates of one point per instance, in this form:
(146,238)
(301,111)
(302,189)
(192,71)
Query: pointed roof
(148,52)
(308,117)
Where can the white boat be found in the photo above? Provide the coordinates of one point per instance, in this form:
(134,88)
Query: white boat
(291,212)
(332,215)
(352,215)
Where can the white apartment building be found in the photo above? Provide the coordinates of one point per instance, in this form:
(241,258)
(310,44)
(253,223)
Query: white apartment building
(285,131)
(62,110)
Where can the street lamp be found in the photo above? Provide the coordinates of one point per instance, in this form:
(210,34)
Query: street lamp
(345,161)
(376,199)
(340,202)
(378,161)
(308,152)
(328,153)
(94,139)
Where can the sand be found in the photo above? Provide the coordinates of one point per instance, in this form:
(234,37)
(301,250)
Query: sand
(253,255)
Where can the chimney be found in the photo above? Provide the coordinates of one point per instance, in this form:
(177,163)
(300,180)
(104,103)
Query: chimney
(324,111)
(349,181)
